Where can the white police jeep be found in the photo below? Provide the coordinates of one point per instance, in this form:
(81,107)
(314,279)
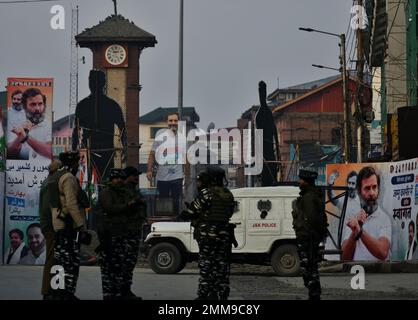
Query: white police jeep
(264,232)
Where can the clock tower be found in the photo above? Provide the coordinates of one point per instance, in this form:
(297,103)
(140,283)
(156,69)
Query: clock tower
(117,44)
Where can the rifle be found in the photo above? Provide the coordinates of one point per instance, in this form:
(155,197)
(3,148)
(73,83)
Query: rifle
(231,228)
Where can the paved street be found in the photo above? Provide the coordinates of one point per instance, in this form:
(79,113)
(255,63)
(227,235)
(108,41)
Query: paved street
(247,283)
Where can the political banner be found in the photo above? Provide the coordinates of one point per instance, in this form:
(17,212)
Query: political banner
(2,190)
(380,222)
(2,145)
(29,153)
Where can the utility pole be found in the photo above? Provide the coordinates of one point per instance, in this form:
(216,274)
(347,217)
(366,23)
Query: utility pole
(73,66)
(343,69)
(180,80)
(116,7)
(360,67)
(347,153)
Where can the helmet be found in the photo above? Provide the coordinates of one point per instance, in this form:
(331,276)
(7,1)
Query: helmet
(131,171)
(205,178)
(217,174)
(117,173)
(69,158)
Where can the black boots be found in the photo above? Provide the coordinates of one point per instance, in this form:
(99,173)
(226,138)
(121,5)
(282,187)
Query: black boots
(127,294)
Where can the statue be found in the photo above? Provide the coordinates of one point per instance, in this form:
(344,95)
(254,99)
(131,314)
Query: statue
(95,118)
(264,120)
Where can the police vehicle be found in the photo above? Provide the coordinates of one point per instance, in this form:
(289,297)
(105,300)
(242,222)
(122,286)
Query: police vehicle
(264,233)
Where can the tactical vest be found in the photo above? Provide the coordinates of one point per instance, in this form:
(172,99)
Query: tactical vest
(53,192)
(222,205)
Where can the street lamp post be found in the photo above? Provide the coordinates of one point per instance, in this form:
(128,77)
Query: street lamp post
(347,153)
(180,79)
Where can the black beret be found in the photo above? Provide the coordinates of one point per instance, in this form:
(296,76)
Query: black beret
(69,157)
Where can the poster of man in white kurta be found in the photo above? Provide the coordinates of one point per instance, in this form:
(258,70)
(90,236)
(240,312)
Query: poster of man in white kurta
(29,153)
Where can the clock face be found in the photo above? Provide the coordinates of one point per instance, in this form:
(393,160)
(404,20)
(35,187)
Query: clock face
(115,54)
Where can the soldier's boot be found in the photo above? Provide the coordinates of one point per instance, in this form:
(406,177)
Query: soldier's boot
(213,296)
(223,297)
(224,293)
(65,295)
(128,294)
(314,290)
(314,297)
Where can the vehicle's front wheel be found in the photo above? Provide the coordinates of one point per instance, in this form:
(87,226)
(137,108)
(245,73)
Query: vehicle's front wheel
(165,258)
(285,260)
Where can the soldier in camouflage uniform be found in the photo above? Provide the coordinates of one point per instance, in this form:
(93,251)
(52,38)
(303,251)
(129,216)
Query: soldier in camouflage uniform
(115,207)
(211,211)
(45,216)
(135,221)
(68,203)
(310,225)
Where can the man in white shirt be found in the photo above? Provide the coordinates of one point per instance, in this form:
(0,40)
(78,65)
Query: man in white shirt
(412,244)
(415,254)
(17,247)
(169,175)
(32,138)
(353,201)
(367,235)
(37,252)
(15,114)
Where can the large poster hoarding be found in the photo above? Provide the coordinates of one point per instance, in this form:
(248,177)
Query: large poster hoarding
(29,152)
(381,220)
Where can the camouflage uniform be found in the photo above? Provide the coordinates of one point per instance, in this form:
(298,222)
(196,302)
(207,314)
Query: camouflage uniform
(67,255)
(68,202)
(133,236)
(118,245)
(113,207)
(211,211)
(309,222)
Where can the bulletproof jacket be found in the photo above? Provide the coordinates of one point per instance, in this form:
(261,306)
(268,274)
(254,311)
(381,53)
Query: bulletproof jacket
(309,218)
(53,192)
(137,213)
(113,210)
(222,205)
(45,213)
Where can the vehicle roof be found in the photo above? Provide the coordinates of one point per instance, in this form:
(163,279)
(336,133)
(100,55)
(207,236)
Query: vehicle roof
(279,191)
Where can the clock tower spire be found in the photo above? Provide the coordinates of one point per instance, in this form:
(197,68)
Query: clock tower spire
(116,44)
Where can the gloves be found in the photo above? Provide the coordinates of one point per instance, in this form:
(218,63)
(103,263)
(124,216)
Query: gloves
(184,215)
(83,236)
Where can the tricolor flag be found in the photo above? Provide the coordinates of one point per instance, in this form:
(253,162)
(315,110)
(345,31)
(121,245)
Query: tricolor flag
(94,187)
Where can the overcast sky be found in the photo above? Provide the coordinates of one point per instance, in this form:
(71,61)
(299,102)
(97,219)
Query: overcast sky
(229,46)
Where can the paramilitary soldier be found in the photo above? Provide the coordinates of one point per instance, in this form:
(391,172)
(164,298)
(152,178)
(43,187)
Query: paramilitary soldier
(45,216)
(211,211)
(68,203)
(310,224)
(135,222)
(116,205)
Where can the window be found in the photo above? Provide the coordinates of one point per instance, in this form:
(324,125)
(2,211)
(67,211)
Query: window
(64,140)
(336,136)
